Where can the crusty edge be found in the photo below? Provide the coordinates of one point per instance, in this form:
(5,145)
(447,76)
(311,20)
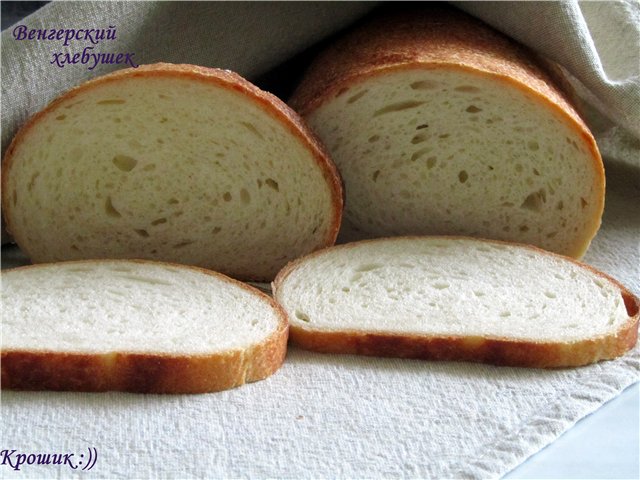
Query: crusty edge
(493,350)
(224,78)
(449,39)
(147,372)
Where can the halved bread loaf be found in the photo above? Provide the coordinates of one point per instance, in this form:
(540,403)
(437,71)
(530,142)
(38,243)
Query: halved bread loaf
(135,326)
(441,125)
(456,298)
(175,163)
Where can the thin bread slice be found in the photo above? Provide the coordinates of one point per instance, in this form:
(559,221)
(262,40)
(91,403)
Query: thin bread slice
(173,163)
(440,125)
(135,326)
(456,298)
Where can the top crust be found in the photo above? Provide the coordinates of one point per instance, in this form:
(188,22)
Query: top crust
(222,78)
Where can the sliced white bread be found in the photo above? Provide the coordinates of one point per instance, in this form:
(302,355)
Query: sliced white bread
(456,298)
(175,163)
(135,326)
(441,125)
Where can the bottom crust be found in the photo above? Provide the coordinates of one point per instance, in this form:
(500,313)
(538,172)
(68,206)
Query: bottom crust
(495,351)
(142,372)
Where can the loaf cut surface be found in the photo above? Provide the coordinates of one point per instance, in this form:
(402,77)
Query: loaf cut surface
(174,163)
(456,298)
(440,125)
(135,326)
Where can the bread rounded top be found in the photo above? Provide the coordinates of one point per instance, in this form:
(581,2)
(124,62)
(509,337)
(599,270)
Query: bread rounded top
(273,107)
(433,36)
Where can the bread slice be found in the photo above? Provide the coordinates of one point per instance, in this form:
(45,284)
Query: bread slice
(135,326)
(175,163)
(456,298)
(441,125)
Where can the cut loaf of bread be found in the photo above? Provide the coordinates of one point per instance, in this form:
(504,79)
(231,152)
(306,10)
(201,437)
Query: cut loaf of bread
(456,298)
(135,326)
(441,125)
(175,163)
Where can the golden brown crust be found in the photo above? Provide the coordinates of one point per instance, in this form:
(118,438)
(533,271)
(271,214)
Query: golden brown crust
(225,78)
(436,36)
(497,351)
(147,372)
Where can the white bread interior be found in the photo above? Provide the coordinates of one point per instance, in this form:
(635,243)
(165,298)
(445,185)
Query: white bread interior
(133,307)
(169,168)
(448,150)
(450,287)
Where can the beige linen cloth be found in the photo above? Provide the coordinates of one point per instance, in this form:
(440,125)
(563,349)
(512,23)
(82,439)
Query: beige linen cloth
(329,415)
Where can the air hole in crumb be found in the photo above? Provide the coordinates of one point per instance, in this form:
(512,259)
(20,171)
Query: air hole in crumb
(226,196)
(32,181)
(110,209)
(124,162)
(61,117)
(75,248)
(479,294)
(397,107)
(467,89)
(143,233)
(376,174)
(272,184)
(422,126)
(419,153)
(583,202)
(431,162)
(535,201)
(419,138)
(367,267)
(244,196)
(252,128)
(149,167)
(113,101)
(552,234)
(505,314)
(346,289)
(559,205)
(216,230)
(159,221)
(357,96)
(549,294)
(374,138)
(441,285)
(423,85)
(184,243)
(533,145)
(444,135)
(473,109)
(523,228)
(303,316)
(463,176)
(536,172)
(173,201)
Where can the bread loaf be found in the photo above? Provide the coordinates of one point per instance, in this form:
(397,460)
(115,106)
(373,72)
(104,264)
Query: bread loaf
(171,162)
(441,125)
(135,326)
(456,298)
